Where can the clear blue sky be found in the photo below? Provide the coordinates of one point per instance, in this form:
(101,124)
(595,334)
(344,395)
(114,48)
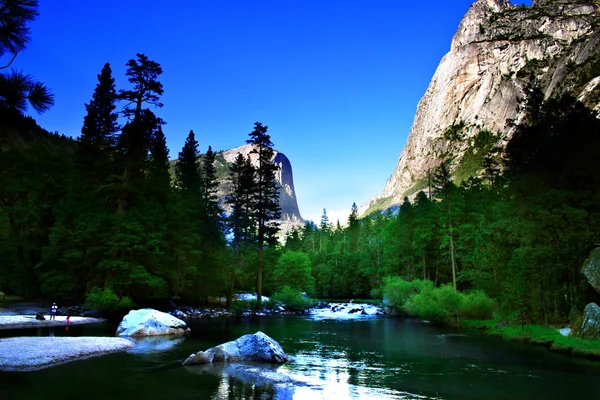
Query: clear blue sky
(337,82)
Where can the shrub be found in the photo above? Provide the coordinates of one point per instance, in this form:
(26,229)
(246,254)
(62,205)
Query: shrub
(396,291)
(435,304)
(477,305)
(106,301)
(292,298)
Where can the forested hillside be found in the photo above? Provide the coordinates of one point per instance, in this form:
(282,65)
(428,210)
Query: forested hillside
(520,233)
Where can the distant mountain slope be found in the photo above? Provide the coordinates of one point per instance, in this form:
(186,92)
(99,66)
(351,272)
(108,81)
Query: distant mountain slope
(290,213)
(497,47)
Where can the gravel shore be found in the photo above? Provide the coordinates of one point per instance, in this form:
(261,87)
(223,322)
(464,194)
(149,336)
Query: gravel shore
(29,321)
(31,353)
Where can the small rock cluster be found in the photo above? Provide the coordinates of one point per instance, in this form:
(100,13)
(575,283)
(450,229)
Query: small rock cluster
(188,312)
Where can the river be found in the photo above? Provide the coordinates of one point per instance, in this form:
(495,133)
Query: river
(363,358)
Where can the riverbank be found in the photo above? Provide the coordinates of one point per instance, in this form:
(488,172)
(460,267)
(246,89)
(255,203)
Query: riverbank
(29,321)
(538,335)
(33,353)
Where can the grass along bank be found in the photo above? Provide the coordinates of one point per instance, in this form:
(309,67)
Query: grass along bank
(474,310)
(538,335)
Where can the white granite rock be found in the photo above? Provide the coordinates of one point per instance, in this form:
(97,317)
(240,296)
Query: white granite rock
(257,347)
(149,322)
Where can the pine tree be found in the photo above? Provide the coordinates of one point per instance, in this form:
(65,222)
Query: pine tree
(136,135)
(239,198)
(187,170)
(267,209)
(94,156)
(159,179)
(211,186)
(17,89)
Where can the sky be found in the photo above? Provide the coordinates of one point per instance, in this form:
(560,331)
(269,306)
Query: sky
(336,82)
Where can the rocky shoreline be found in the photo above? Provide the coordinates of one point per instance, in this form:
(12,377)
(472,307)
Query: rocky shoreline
(33,352)
(29,321)
(334,309)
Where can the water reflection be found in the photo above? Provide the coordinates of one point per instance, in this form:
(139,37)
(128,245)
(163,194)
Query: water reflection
(152,344)
(376,358)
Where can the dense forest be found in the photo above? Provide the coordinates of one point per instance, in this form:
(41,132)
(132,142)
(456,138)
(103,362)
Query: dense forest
(519,231)
(108,214)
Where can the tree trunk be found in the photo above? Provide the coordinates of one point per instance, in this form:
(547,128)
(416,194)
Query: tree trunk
(453,260)
(259,276)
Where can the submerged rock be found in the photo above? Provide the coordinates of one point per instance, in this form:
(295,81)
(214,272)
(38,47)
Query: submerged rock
(589,325)
(149,322)
(257,347)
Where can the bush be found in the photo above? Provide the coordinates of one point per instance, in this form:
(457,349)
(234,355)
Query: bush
(435,304)
(106,301)
(477,305)
(396,291)
(292,298)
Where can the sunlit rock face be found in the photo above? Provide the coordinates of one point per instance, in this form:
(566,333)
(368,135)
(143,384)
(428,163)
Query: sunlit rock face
(495,50)
(149,322)
(290,213)
(256,347)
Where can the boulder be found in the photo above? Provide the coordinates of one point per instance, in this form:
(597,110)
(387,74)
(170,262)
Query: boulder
(257,347)
(589,325)
(591,269)
(149,322)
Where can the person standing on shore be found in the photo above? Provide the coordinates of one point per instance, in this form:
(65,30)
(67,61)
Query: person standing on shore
(53,310)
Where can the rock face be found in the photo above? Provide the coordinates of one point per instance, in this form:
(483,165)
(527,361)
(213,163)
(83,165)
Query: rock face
(589,325)
(290,213)
(257,347)
(497,47)
(149,322)
(591,269)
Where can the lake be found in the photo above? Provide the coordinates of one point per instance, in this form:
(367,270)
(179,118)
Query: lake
(363,358)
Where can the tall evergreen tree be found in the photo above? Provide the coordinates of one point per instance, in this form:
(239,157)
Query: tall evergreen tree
(136,136)
(159,178)
(187,170)
(94,157)
(267,209)
(239,222)
(211,186)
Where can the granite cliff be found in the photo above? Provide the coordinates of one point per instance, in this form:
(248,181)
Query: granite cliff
(497,49)
(290,213)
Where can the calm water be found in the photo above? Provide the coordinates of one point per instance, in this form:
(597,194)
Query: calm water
(378,358)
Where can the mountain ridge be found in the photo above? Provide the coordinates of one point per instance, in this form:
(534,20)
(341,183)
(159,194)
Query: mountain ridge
(477,84)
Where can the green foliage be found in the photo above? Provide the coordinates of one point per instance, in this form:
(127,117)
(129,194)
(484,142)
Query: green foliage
(539,335)
(294,270)
(477,305)
(473,161)
(107,301)
(454,132)
(397,291)
(440,304)
(292,298)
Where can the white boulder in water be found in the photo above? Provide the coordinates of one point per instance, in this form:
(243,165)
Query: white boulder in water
(257,347)
(149,322)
